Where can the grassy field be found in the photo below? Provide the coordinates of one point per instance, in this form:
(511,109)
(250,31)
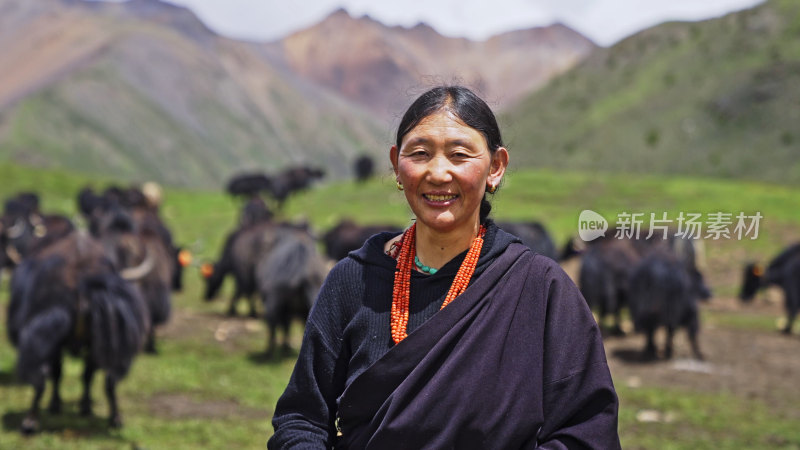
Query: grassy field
(210,388)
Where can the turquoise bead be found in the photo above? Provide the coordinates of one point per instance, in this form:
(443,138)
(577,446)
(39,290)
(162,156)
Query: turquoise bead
(424,268)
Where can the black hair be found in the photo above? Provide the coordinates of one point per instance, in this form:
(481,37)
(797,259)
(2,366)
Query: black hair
(464,104)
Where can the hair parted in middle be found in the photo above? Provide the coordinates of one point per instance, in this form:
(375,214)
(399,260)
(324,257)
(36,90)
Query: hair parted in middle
(464,104)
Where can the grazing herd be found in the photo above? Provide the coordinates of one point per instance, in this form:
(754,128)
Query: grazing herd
(657,279)
(96,295)
(100,291)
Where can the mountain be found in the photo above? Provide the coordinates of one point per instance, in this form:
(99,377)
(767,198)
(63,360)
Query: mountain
(143,90)
(719,97)
(384,68)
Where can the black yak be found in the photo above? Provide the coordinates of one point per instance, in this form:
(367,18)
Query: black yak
(239,256)
(289,276)
(572,248)
(293,179)
(254,211)
(534,235)
(606,267)
(24,230)
(607,264)
(69,296)
(347,236)
(248,184)
(782,271)
(136,240)
(363,168)
(664,291)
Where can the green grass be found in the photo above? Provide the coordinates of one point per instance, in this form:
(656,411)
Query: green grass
(702,421)
(741,321)
(202,392)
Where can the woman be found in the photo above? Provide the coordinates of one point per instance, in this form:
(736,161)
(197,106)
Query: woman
(399,353)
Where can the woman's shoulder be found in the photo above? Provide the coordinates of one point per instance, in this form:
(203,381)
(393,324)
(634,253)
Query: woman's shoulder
(540,266)
(373,252)
(369,256)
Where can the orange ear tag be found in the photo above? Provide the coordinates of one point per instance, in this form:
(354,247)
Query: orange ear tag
(184,257)
(206,270)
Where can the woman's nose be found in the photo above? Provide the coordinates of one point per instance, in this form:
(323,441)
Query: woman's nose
(440,170)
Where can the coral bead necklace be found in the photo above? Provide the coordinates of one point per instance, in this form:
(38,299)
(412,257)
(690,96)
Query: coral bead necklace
(401,294)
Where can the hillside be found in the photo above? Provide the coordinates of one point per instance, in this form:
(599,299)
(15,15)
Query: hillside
(143,90)
(383,68)
(718,97)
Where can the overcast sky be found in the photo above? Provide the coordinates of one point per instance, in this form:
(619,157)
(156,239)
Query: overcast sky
(604,21)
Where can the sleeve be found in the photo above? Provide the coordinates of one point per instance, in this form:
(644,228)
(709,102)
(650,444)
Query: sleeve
(304,415)
(580,404)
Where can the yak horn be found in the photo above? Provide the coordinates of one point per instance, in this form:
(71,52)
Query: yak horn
(13,254)
(700,251)
(579,245)
(35,220)
(17,229)
(138,272)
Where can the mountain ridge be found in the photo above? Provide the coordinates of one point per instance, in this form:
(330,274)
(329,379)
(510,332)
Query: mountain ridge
(144,90)
(364,59)
(716,97)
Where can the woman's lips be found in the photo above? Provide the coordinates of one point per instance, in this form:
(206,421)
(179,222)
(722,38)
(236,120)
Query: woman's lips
(440,199)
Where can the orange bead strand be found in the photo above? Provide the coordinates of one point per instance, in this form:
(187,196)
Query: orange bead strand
(401,293)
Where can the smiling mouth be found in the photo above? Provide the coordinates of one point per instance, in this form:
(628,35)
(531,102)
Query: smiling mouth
(440,197)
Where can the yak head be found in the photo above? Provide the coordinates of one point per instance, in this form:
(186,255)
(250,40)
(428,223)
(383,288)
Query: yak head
(751,281)
(20,227)
(213,278)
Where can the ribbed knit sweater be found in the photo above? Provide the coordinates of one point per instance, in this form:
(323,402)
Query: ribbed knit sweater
(349,329)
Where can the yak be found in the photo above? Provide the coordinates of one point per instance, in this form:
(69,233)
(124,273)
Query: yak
(534,235)
(293,179)
(248,184)
(782,271)
(136,239)
(607,265)
(239,256)
(347,236)
(254,211)
(144,211)
(363,168)
(664,291)
(24,230)
(289,276)
(69,296)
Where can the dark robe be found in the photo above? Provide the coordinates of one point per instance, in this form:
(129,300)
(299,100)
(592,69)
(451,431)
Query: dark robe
(516,361)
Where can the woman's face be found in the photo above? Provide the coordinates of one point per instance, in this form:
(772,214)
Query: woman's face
(444,166)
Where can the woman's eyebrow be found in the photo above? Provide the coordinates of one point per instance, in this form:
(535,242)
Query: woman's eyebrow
(461,143)
(417,141)
(424,141)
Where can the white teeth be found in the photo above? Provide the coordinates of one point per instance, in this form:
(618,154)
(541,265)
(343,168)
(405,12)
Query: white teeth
(440,198)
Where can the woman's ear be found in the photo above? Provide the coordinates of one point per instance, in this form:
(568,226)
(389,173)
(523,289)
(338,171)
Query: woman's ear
(393,154)
(498,166)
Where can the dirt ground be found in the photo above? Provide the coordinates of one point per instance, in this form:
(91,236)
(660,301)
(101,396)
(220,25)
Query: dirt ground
(178,406)
(747,363)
